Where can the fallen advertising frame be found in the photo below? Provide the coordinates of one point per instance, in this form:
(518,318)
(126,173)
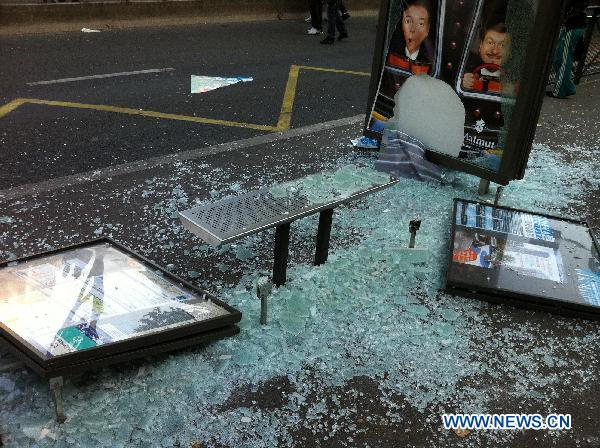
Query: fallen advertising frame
(524,259)
(454,40)
(174,298)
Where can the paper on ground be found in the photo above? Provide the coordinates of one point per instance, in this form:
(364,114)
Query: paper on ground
(201,84)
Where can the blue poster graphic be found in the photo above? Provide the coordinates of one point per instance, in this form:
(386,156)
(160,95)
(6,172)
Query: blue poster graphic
(511,222)
(589,286)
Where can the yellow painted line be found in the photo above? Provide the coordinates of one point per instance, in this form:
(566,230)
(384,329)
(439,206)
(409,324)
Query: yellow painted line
(9,107)
(334,70)
(283,123)
(148,113)
(287,105)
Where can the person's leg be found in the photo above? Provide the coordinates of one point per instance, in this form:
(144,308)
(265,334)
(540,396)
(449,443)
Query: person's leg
(563,62)
(557,58)
(344,10)
(316,18)
(342,6)
(576,35)
(332,10)
(341,26)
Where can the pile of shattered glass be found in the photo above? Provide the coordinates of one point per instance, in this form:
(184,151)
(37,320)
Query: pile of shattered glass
(371,312)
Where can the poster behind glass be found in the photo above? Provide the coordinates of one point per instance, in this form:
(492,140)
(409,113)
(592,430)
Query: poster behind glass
(504,251)
(93,296)
(477,47)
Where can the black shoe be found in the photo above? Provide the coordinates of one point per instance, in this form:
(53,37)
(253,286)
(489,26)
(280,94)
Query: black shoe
(328,40)
(345,16)
(552,95)
(343,36)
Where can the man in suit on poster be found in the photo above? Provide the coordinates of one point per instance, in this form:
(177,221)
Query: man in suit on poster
(408,41)
(484,71)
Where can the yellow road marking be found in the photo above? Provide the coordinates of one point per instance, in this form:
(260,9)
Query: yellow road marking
(287,105)
(9,107)
(334,70)
(148,113)
(283,123)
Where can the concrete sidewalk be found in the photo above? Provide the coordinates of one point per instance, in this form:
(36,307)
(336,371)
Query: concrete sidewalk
(363,351)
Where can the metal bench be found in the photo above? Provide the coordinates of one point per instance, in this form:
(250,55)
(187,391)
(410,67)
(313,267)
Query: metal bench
(234,218)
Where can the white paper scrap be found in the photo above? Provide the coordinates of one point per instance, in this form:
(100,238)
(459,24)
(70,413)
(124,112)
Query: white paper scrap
(201,84)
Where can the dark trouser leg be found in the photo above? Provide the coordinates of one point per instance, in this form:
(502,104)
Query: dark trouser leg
(563,61)
(333,12)
(323,234)
(342,7)
(339,23)
(316,14)
(280,258)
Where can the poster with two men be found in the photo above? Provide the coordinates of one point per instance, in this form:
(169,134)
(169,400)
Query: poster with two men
(491,55)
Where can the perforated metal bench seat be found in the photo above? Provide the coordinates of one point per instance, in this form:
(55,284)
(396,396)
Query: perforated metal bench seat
(233,218)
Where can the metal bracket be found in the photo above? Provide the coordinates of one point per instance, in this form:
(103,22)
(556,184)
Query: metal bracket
(484,187)
(498,194)
(263,289)
(56,385)
(413,228)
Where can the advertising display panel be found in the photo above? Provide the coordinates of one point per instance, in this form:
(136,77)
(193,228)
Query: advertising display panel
(98,299)
(525,259)
(492,56)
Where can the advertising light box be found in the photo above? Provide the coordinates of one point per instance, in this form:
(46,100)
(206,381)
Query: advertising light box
(97,300)
(524,259)
(464,77)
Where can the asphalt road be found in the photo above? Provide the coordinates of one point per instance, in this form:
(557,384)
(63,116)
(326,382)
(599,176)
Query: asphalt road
(40,141)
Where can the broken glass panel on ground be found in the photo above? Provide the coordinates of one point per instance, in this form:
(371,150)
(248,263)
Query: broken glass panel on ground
(512,256)
(96,304)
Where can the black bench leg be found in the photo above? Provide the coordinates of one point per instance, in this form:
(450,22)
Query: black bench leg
(323,234)
(282,240)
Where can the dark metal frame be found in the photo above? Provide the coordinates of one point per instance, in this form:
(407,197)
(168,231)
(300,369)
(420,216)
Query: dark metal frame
(129,349)
(594,22)
(527,106)
(533,302)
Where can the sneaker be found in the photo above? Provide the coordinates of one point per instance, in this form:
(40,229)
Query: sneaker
(346,16)
(307,20)
(328,40)
(313,31)
(343,36)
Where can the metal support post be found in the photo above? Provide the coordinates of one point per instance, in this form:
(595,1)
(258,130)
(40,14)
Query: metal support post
(484,187)
(281,252)
(56,385)
(413,228)
(498,194)
(323,234)
(263,289)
